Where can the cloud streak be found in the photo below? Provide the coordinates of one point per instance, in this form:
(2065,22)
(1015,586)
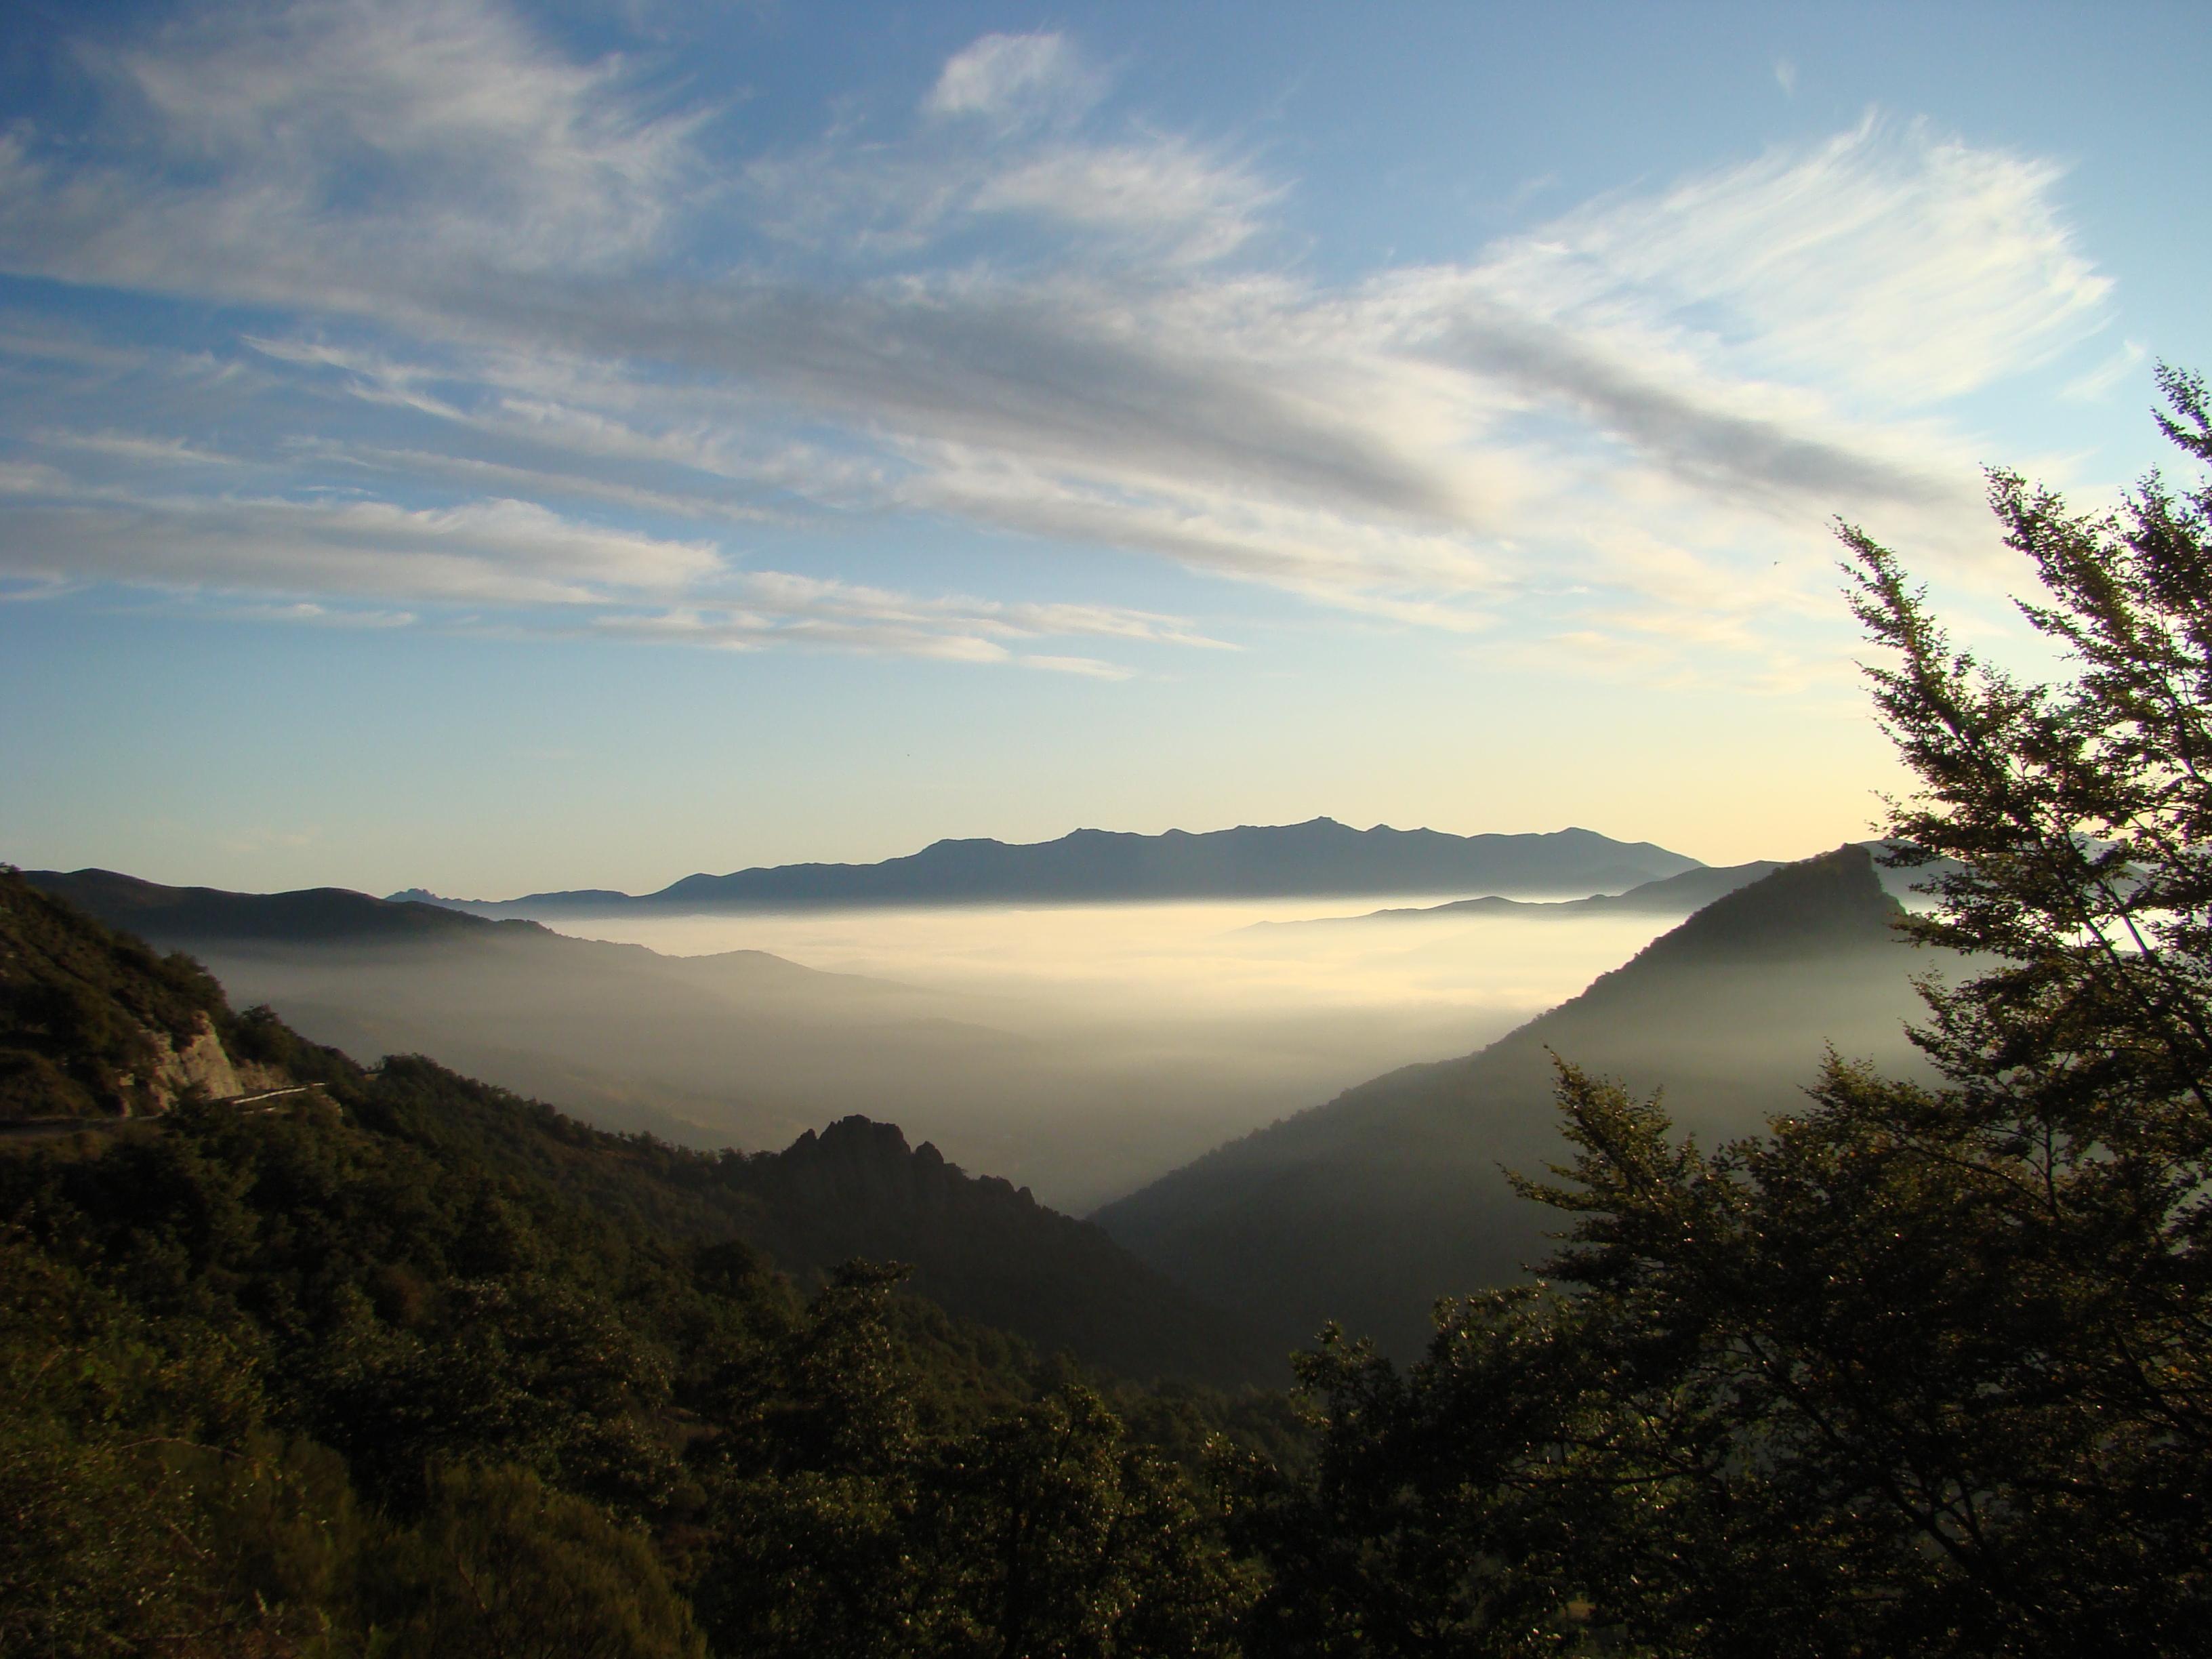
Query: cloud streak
(556,345)
(1013,77)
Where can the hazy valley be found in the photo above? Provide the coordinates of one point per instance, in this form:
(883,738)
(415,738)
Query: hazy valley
(1296,1118)
(1081,1050)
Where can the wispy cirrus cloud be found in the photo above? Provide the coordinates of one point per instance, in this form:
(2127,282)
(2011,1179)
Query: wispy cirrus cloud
(517,299)
(546,573)
(1015,77)
(1167,196)
(761,609)
(494,551)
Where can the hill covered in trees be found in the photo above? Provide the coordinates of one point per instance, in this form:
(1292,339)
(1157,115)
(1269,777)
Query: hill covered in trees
(979,1248)
(1365,1210)
(396,1362)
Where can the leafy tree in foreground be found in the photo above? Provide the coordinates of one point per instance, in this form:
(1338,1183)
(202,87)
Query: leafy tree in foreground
(1924,1370)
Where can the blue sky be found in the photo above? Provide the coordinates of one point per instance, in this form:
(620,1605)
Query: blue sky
(501,447)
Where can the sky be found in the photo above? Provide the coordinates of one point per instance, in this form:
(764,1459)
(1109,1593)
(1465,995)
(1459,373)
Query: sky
(494,446)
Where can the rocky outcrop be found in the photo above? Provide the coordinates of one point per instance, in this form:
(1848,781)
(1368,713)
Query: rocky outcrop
(199,1062)
(96,1026)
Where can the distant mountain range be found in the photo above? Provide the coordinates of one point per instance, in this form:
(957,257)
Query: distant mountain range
(1321,857)
(1367,1209)
(1669,896)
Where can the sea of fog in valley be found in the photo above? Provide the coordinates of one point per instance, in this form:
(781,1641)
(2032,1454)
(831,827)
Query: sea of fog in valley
(1079,1050)
(1083,1050)
(1208,960)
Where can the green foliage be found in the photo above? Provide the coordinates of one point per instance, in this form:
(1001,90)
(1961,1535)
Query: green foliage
(1445,1512)
(2080,816)
(86,1012)
(406,1366)
(142,1505)
(1923,1370)
(502,1564)
(1055,1536)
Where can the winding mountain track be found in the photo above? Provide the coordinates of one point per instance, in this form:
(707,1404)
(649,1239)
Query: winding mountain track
(55,1128)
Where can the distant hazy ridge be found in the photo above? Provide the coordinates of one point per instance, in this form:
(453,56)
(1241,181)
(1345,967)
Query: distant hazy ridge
(1319,857)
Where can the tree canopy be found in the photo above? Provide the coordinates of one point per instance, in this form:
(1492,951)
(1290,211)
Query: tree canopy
(1924,1369)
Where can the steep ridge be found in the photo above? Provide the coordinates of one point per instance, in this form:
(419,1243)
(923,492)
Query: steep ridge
(94,1026)
(309,915)
(1096,865)
(983,1249)
(1368,1208)
(78,1000)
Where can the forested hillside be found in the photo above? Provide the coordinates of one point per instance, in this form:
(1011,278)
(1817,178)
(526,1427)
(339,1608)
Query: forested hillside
(1364,1210)
(309,1372)
(93,1024)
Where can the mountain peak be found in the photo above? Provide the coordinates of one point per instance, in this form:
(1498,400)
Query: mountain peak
(1814,906)
(1368,1208)
(859,1137)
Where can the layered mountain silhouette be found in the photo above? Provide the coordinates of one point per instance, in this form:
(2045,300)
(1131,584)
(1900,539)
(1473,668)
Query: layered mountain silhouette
(1367,1209)
(313,915)
(1096,865)
(1669,896)
(744,1047)
(90,1018)
(738,1047)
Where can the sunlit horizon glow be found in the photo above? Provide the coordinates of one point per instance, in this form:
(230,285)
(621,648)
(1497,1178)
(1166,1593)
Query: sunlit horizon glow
(497,446)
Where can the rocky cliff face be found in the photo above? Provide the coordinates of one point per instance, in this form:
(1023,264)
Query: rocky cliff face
(94,1025)
(201,1062)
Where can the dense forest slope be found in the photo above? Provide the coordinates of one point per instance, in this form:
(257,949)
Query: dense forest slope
(94,1025)
(1091,865)
(92,1016)
(398,1364)
(986,1251)
(1365,1210)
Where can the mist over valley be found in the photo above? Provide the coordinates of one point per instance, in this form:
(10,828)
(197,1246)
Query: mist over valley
(1080,1050)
